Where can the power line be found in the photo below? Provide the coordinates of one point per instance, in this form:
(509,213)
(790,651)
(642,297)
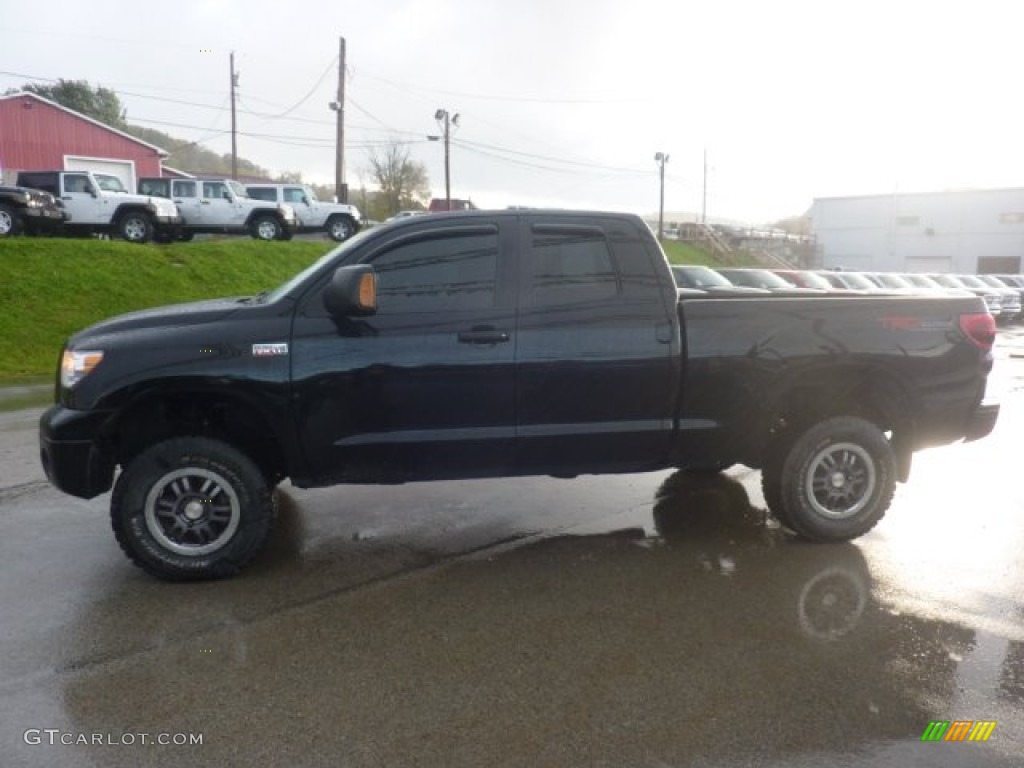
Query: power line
(305,98)
(549,158)
(491,97)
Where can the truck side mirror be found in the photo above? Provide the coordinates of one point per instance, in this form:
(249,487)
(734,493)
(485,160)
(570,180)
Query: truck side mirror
(352,291)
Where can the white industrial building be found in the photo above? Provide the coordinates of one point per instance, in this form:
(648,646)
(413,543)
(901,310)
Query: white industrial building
(976,231)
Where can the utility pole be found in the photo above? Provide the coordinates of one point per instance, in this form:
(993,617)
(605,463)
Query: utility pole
(661,158)
(234,127)
(340,187)
(446,120)
(704,196)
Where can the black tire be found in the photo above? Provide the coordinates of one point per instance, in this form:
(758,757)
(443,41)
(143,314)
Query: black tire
(266,228)
(135,227)
(835,482)
(191,508)
(341,228)
(10,222)
(186,235)
(286,234)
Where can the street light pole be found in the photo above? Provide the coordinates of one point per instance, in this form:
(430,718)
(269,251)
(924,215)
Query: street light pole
(660,158)
(446,120)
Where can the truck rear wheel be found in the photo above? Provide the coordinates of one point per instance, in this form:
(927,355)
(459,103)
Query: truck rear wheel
(135,227)
(266,228)
(834,481)
(10,224)
(340,228)
(191,508)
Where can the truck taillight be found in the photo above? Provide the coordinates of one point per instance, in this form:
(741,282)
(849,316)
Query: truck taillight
(980,328)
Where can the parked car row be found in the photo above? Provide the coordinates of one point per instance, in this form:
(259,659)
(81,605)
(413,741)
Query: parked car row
(1003,294)
(167,209)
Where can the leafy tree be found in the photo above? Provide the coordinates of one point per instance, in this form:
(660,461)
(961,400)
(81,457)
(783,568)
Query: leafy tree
(98,103)
(401,181)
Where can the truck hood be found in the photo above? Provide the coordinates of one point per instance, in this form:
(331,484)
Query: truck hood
(173,316)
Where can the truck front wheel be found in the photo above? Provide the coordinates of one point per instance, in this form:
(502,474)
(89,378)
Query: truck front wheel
(191,508)
(266,228)
(10,224)
(135,227)
(834,482)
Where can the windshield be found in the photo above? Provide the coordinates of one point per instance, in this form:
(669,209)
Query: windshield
(237,188)
(285,288)
(971,281)
(992,281)
(857,281)
(756,278)
(808,280)
(888,280)
(699,277)
(922,281)
(109,183)
(310,194)
(947,281)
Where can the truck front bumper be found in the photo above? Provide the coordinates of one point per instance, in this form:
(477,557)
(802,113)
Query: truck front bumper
(71,453)
(45,219)
(982,421)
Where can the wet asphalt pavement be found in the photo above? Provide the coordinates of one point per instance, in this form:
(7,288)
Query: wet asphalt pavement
(640,620)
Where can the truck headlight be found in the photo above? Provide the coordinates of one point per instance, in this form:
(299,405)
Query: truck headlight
(77,364)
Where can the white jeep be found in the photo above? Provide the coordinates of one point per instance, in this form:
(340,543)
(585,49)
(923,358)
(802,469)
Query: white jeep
(97,203)
(338,220)
(221,206)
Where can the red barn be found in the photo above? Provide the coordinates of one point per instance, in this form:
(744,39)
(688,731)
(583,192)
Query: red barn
(37,134)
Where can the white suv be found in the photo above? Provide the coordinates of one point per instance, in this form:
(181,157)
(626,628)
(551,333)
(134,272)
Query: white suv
(338,220)
(221,206)
(97,203)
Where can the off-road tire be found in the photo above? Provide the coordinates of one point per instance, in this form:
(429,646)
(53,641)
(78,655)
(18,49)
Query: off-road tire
(191,508)
(266,228)
(135,227)
(340,228)
(835,482)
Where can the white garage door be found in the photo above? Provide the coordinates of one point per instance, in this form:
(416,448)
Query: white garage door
(123,169)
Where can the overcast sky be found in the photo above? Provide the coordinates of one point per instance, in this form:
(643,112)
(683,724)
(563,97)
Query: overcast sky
(566,102)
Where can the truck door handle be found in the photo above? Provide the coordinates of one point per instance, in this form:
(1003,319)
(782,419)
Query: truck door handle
(483,334)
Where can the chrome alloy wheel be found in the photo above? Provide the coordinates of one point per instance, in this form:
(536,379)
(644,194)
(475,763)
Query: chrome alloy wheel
(192,511)
(840,480)
(267,229)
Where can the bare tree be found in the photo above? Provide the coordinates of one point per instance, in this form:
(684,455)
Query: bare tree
(401,181)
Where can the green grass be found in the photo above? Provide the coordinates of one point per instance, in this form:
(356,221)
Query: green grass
(680,252)
(50,287)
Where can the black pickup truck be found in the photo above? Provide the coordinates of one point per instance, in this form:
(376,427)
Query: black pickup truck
(493,344)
